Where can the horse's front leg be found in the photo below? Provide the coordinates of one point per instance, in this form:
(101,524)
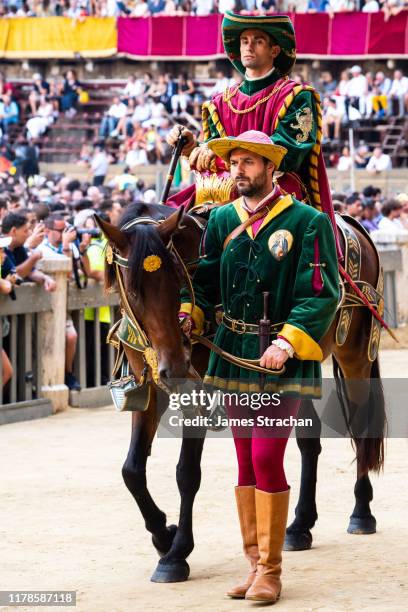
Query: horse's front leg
(298,534)
(173,567)
(144,426)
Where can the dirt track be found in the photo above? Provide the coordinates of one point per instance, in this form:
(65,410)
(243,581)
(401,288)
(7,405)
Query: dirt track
(67,522)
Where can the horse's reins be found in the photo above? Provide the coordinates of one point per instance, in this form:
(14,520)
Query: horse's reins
(149,354)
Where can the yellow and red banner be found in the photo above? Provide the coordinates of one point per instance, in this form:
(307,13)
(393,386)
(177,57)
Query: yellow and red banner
(345,36)
(57,37)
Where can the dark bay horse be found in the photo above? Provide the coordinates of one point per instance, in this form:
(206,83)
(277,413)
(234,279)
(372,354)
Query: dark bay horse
(155,300)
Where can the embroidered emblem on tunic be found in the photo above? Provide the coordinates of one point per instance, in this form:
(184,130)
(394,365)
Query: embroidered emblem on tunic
(280,244)
(304,123)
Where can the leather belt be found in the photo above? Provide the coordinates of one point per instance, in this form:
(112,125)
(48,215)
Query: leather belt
(238,326)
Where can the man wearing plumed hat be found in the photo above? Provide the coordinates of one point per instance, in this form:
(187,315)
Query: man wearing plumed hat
(263,50)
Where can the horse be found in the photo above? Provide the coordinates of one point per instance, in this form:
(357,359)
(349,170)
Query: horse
(154,300)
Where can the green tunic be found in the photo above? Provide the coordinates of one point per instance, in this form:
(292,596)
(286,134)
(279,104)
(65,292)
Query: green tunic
(281,265)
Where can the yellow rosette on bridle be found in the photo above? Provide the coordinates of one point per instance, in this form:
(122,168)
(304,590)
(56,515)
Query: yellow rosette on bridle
(152,263)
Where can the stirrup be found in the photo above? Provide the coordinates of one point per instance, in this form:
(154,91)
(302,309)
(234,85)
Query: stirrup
(127,393)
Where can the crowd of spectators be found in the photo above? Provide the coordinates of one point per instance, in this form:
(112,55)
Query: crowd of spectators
(52,216)
(80,9)
(374,163)
(132,131)
(374,212)
(357,96)
(143,113)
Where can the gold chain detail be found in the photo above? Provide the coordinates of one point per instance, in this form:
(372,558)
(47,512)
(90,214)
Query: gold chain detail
(228,95)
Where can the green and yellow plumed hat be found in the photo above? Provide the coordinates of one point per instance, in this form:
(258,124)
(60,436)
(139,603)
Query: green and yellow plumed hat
(279,27)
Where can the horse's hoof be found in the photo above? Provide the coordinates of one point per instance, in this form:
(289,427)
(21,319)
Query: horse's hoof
(362,525)
(173,571)
(163,542)
(298,540)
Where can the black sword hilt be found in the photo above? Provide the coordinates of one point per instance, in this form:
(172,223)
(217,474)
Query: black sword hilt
(181,142)
(264,332)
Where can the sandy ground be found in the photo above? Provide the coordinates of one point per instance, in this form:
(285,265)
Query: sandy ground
(68,522)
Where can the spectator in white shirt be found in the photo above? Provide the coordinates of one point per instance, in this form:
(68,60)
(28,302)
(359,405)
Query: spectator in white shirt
(225,5)
(371,6)
(222,82)
(399,92)
(381,90)
(36,126)
(390,221)
(59,241)
(143,111)
(157,115)
(379,161)
(133,88)
(140,9)
(331,116)
(111,119)
(402,198)
(203,7)
(340,6)
(136,156)
(99,165)
(345,160)
(356,90)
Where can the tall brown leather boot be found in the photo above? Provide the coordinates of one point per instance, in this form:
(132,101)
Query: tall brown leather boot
(245,497)
(271,519)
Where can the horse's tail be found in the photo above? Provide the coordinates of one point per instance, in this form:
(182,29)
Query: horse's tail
(369,445)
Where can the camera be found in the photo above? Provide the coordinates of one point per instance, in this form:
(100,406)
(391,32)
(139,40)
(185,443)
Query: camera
(94,232)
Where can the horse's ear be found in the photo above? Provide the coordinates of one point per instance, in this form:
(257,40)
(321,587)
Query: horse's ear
(170,225)
(114,235)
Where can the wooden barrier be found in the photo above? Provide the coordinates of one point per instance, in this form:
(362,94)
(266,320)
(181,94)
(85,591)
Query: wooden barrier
(35,345)
(93,359)
(24,344)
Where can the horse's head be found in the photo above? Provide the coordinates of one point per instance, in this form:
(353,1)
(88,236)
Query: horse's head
(152,278)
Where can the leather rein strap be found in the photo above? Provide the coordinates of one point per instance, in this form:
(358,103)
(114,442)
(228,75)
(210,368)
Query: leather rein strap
(247,364)
(250,221)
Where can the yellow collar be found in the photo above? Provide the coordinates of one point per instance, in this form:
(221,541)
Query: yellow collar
(243,215)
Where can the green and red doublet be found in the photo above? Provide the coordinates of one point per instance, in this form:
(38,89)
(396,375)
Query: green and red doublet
(281,259)
(290,114)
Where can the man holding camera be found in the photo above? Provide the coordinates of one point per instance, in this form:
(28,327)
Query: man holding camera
(18,258)
(61,239)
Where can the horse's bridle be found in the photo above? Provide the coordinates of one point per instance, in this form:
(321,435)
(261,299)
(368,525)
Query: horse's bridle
(144,346)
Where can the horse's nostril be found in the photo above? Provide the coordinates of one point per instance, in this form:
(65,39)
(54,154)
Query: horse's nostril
(164,373)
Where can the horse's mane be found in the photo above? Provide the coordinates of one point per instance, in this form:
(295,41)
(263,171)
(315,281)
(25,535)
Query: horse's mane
(144,241)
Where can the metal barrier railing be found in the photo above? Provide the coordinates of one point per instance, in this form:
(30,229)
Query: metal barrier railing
(94,359)
(20,337)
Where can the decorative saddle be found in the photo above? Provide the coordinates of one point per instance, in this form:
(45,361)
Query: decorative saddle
(349,299)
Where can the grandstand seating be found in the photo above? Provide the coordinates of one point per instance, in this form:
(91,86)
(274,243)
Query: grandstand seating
(64,139)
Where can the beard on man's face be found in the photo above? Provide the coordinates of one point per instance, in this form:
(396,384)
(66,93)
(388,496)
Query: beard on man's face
(250,187)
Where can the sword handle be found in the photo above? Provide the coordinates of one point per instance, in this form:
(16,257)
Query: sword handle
(265,305)
(173,164)
(264,332)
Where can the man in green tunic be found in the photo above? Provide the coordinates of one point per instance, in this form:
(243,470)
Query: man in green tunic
(264,241)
